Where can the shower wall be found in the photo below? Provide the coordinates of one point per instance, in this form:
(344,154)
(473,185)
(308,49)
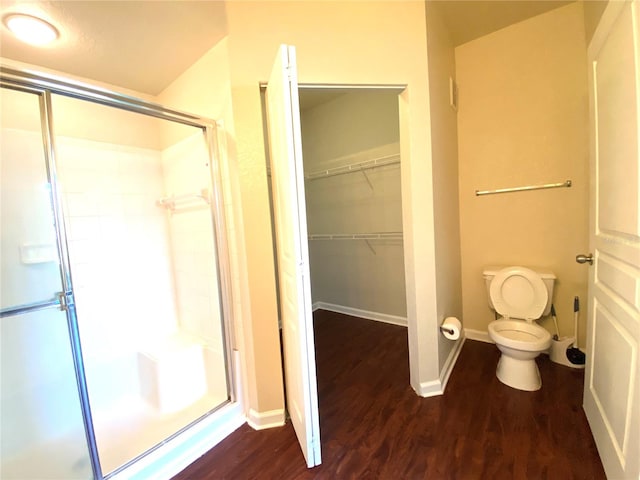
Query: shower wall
(141,273)
(119,249)
(186,171)
(146,288)
(120,256)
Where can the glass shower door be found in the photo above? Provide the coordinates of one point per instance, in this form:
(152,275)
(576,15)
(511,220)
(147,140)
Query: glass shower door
(42,432)
(137,196)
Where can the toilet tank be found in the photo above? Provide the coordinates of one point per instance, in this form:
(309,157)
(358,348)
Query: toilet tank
(548,277)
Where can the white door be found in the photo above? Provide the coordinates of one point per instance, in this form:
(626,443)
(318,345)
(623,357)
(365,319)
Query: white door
(287,176)
(612,381)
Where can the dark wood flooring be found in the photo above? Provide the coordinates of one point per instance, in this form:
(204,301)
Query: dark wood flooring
(374,426)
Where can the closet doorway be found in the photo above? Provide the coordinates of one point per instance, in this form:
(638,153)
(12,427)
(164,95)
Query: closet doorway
(351,157)
(350,153)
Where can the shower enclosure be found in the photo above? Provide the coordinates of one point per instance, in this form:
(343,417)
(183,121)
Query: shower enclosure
(115,285)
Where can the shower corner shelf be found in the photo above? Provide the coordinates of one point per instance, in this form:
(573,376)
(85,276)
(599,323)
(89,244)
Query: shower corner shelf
(172,202)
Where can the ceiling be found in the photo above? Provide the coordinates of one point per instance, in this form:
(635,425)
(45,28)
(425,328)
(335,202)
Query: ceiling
(139,45)
(145,45)
(467,20)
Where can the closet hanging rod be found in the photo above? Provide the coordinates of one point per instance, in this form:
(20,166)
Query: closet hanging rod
(566,184)
(172,201)
(355,167)
(356,236)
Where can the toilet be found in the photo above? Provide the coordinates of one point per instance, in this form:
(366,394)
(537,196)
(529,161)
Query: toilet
(521,296)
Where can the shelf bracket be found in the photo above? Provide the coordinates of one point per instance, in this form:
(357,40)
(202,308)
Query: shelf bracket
(373,250)
(366,177)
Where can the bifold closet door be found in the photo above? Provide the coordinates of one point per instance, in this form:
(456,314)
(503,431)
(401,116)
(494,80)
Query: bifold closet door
(293,252)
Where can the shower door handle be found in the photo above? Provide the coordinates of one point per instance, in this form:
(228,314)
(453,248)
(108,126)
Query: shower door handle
(582,258)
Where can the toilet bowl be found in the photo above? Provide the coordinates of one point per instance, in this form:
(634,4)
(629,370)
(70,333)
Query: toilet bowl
(521,296)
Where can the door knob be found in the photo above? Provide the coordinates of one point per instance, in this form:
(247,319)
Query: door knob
(582,258)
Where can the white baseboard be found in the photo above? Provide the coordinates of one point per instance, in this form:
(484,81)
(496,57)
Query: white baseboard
(450,363)
(437,387)
(479,335)
(268,419)
(430,389)
(356,312)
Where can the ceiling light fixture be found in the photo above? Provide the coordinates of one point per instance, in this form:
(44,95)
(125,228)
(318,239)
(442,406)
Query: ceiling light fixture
(30,29)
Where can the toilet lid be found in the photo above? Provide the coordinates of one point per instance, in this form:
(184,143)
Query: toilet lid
(518,292)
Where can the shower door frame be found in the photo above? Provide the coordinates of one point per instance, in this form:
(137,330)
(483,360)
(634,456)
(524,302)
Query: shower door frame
(44,85)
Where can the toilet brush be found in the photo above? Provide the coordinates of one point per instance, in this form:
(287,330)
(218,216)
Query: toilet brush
(576,310)
(555,322)
(574,354)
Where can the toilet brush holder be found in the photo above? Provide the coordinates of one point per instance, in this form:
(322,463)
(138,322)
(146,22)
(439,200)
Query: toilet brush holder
(558,352)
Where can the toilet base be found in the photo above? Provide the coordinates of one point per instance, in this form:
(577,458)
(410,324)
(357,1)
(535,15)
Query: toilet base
(519,374)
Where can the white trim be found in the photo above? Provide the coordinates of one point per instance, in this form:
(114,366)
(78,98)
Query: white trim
(479,335)
(356,312)
(430,389)
(447,368)
(437,387)
(264,420)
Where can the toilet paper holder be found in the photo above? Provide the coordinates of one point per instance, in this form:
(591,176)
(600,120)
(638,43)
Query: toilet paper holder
(451,328)
(445,329)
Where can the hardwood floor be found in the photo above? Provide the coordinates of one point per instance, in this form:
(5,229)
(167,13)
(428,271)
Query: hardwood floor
(374,426)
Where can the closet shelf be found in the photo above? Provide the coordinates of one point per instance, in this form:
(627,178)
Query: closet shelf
(355,167)
(356,236)
(366,237)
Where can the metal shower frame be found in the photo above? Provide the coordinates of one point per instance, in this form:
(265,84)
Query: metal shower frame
(44,85)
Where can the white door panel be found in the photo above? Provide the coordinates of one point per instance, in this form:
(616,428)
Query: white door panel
(612,381)
(293,252)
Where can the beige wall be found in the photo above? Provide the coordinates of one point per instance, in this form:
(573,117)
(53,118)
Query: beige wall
(522,120)
(345,128)
(355,127)
(339,43)
(445,175)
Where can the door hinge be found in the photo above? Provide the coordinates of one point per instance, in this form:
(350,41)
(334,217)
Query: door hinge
(291,73)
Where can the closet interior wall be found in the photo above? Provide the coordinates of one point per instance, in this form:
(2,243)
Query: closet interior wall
(351,151)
